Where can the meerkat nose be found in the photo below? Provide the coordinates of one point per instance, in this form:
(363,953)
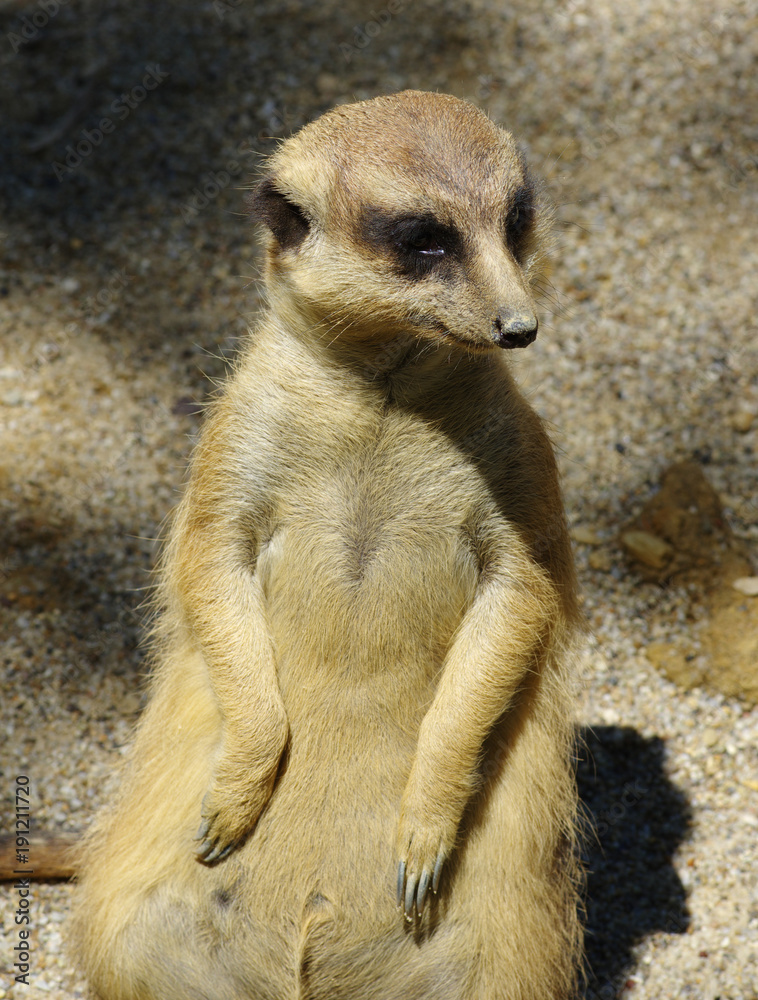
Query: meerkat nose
(514,329)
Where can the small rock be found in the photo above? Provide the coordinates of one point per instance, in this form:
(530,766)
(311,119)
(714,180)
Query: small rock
(742,421)
(647,548)
(747,585)
(601,560)
(609,716)
(710,737)
(70,285)
(585,535)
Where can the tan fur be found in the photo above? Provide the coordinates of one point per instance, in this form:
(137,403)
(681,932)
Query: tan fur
(368,612)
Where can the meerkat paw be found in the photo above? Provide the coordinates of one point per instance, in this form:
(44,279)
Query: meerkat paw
(227,816)
(423,848)
(242,786)
(225,821)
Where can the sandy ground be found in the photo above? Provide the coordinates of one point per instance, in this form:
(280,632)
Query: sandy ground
(127,276)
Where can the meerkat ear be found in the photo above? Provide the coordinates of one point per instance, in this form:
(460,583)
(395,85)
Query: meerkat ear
(283,217)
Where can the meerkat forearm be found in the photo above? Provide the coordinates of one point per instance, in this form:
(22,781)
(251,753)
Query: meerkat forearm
(232,630)
(220,593)
(494,648)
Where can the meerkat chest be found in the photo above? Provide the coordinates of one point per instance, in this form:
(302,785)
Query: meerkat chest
(408,491)
(369,560)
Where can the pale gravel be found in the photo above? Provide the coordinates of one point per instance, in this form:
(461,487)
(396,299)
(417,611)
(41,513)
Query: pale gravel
(642,118)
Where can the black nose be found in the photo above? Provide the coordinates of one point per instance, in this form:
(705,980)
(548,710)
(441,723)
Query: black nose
(514,329)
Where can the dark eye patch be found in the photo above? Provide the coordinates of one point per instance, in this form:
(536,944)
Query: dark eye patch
(420,244)
(520,221)
(282,216)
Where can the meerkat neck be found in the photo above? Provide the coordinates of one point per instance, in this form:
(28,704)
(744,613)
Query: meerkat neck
(396,366)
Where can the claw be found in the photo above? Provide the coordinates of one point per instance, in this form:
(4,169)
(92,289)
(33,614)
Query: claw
(400,882)
(423,887)
(202,831)
(210,851)
(410,892)
(437,871)
(205,849)
(211,856)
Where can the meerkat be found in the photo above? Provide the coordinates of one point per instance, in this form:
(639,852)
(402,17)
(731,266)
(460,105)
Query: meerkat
(352,780)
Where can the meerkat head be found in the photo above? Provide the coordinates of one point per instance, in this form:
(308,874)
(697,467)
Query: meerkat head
(411,213)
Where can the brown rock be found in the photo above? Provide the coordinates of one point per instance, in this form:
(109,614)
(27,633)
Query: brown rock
(686,513)
(647,548)
(730,638)
(585,536)
(680,667)
(682,536)
(742,421)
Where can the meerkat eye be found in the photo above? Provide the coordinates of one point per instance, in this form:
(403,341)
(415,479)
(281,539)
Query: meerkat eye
(424,235)
(423,242)
(424,246)
(420,245)
(519,221)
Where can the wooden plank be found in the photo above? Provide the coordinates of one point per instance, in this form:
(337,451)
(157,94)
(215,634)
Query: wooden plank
(49,856)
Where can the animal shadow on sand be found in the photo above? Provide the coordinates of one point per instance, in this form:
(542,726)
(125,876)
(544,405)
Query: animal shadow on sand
(639,820)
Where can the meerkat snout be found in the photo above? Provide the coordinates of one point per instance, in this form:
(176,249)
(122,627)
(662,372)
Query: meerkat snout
(514,329)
